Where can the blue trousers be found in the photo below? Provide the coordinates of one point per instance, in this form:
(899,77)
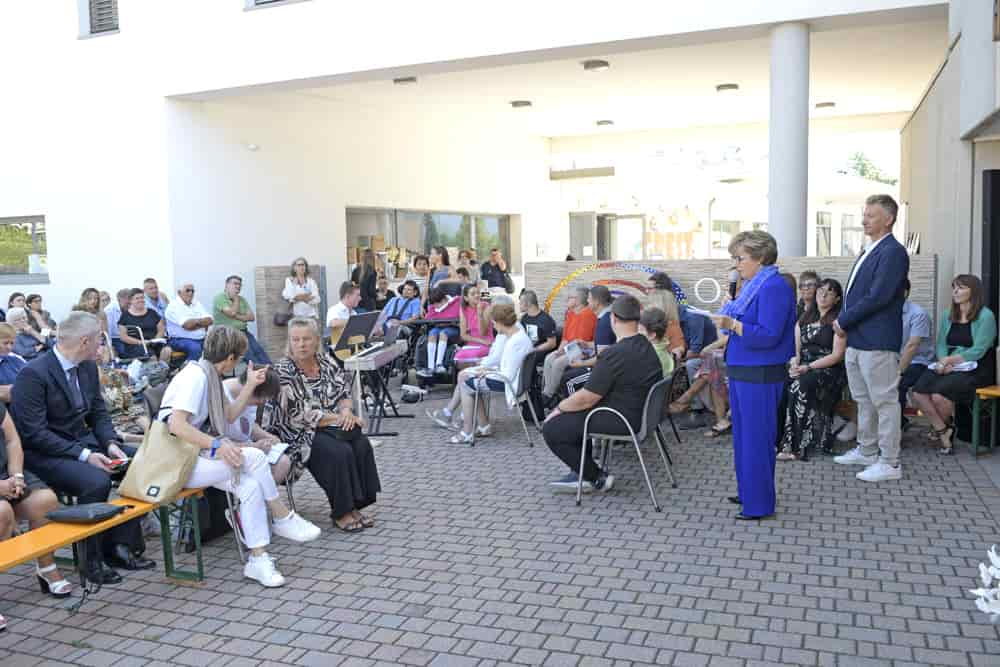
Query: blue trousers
(189,346)
(755,432)
(255,352)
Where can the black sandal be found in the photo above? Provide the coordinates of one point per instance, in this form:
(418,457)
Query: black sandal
(940,433)
(352,527)
(716,432)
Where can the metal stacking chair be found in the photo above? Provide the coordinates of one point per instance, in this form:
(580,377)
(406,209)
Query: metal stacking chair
(652,417)
(521,393)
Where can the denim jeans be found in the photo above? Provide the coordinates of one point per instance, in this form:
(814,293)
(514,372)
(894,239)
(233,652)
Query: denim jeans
(255,352)
(189,346)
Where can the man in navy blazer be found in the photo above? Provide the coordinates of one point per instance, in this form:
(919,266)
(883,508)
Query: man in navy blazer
(872,319)
(68,439)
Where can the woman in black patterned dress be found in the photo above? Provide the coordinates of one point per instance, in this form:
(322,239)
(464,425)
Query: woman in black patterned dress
(817,375)
(312,413)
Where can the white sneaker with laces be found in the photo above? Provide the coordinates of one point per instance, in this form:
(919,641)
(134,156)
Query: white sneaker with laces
(261,569)
(880,472)
(293,527)
(854,457)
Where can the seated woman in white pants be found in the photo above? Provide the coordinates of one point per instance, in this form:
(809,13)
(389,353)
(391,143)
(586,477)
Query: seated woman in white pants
(485,379)
(198,413)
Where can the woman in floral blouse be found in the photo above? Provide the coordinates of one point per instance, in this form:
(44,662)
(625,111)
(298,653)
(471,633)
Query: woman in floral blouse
(313,414)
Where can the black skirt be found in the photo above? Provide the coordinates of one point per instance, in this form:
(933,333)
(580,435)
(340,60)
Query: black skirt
(957,387)
(343,464)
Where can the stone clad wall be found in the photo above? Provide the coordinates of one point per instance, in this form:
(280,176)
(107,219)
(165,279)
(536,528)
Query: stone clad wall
(268,283)
(699,277)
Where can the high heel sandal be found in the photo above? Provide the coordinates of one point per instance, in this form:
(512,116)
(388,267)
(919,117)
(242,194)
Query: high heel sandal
(57,589)
(945,435)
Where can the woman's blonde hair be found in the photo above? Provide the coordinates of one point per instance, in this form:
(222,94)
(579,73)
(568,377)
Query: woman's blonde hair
(504,314)
(7,331)
(223,342)
(665,301)
(303,323)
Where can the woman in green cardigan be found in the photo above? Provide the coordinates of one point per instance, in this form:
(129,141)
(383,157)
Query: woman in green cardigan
(966,333)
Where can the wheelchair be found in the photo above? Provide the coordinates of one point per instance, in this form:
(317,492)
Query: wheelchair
(420,356)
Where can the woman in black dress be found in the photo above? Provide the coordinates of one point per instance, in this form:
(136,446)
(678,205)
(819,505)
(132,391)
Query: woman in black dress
(312,413)
(365,276)
(817,376)
(966,359)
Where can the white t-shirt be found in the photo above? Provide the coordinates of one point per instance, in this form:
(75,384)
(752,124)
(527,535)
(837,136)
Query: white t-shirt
(188,391)
(338,311)
(241,430)
(178,313)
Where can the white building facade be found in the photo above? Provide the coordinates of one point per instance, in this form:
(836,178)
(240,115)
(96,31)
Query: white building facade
(192,139)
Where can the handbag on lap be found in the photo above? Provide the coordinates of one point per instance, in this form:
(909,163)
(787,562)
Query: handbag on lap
(161,467)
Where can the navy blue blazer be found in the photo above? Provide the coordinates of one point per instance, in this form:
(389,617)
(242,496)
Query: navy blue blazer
(42,408)
(872,314)
(768,327)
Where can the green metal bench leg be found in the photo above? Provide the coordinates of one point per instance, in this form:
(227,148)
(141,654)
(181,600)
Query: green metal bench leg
(976,411)
(169,566)
(993,424)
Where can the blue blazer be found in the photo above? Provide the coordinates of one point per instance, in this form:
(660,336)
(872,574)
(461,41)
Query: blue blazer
(872,314)
(768,327)
(43,410)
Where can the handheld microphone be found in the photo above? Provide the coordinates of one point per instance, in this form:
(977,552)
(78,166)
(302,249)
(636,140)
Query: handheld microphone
(734,277)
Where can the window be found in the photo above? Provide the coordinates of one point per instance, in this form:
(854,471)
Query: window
(23,249)
(824,222)
(723,231)
(103,16)
(852,235)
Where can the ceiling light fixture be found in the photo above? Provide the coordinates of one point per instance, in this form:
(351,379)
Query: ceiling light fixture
(725,87)
(404,80)
(596,65)
(520,104)
(605,123)
(826,105)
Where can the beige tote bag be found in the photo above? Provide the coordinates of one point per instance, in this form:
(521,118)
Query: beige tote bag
(161,467)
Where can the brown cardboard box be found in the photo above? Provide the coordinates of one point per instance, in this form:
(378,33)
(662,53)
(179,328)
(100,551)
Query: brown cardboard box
(378,243)
(353,254)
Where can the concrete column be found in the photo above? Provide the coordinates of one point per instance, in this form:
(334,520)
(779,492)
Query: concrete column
(788,167)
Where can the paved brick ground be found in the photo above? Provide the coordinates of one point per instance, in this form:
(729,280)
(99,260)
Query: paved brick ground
(474,562)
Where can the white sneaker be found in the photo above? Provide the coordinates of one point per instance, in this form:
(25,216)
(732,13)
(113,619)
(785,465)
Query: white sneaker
(855,458)
(261,569)
(880,472)
(440,417)
(293,527)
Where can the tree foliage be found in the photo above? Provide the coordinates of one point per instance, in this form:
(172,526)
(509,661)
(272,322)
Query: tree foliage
(862,165)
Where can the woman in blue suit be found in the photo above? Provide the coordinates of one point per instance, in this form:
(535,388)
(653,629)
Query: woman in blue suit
(761,327)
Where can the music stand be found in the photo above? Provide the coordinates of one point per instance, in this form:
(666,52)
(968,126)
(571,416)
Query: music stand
(360,325)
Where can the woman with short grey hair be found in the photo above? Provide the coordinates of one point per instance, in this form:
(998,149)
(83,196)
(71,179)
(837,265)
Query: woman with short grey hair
(759,245)
(313,414)
(29,343)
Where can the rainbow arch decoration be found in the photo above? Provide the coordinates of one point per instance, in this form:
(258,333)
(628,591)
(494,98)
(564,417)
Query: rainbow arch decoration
(611,283)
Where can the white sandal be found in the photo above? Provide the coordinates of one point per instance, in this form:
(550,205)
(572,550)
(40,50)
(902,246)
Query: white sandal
(3,623)
(57,589)
(460,438)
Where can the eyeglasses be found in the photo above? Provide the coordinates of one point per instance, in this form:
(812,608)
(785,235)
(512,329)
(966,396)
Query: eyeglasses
(299,264)
(188,290)
(808,285)
(739,258)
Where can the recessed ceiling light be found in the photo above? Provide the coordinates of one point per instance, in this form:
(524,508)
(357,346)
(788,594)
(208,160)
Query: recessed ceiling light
(604,123)
(724,87)
(520,104)
(730,181)
(826,105)
(404,80)
(596,65)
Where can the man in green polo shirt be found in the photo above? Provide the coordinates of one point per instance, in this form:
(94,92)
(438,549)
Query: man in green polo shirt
(232,310)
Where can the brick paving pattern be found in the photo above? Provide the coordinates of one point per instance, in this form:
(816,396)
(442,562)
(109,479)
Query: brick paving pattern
(475,562)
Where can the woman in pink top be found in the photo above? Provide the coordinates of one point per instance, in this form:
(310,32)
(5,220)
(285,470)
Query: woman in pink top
(474,327)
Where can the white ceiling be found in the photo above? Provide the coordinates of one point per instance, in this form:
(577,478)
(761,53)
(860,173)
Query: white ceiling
(871,70)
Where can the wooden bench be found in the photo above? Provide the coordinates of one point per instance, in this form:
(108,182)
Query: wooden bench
(985,399)
(55,535)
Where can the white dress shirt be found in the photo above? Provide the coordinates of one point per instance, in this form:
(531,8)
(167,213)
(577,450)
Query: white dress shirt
(178,313)
(861,260)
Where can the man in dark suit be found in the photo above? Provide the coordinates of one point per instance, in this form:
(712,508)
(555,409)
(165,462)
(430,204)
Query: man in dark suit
(872,320)
(68,439)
